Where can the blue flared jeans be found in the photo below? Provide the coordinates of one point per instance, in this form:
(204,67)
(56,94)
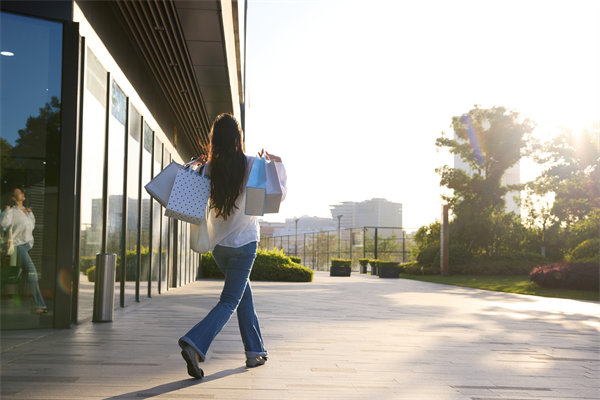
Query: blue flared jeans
(25,262)
(236,264)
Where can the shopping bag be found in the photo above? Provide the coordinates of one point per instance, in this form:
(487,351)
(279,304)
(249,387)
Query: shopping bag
(256,188)
(160,187)
(189,196)
(199,239)
(273,189)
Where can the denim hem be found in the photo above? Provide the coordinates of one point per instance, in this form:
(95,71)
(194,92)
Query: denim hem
(251,354)
(186,341)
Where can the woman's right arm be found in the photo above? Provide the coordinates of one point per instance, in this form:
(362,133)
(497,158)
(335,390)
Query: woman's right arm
(6,217)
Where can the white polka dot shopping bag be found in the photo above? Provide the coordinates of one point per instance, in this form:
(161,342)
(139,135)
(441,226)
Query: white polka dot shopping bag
(189,196)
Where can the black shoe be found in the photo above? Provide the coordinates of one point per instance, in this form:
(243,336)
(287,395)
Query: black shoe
(252,362)
(40,311)
(189,355)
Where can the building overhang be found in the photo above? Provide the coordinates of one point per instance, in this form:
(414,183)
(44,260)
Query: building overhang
(192,49)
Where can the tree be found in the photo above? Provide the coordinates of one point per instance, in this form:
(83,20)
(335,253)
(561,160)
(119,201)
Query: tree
(489,141)
(573,173)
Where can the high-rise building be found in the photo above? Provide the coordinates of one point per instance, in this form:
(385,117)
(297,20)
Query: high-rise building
(372,213)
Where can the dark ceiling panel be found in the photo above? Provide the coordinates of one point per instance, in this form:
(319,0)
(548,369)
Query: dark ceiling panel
(207,53)
(182,42)
(207,75)
(216,94)
(200,25)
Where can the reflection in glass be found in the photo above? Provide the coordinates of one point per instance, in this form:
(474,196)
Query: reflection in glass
(156,219)
(164,254)
(116,163)
(92,160)
(133,173)
(30,104)
(148,138)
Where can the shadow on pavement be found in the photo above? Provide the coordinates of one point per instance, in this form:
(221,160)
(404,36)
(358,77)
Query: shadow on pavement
(177,385)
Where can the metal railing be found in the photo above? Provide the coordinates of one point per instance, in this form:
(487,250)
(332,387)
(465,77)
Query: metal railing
(316,249)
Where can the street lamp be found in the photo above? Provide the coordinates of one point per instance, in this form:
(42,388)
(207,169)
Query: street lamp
(296,238)
(339,217)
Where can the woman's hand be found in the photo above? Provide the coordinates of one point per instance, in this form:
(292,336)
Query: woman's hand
(271,157)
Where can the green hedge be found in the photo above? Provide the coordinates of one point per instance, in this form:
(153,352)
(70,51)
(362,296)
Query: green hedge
(363,262)
(130,266)
(389,269)
(587,251)
(413,268)
(268,266)
(296,260)
(340,262)
(515,264)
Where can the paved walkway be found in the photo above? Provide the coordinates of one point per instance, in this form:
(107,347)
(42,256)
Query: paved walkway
(335,338)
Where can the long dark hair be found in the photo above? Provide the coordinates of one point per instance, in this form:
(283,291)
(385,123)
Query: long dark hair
(227,164)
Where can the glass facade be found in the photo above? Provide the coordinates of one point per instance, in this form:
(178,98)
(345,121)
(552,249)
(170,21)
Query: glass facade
(92,156)
(132,237)
(30,129)
(120,150)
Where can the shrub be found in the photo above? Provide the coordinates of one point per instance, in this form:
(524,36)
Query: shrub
(91,274)
(86,263)
(428,256)
(413,268)
(268,266)
(363,262)
(580,276)
(296,260)
(586,251)
(340,262)
(209,267)
(389,269)
(515,264)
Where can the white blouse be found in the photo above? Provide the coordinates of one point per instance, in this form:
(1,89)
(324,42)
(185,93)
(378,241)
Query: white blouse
(22,225)
(239,229)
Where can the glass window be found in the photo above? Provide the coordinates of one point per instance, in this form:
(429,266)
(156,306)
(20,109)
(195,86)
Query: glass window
(146,215)
(156,219)
(133,200)
(165,242)
(92,160)
(116,167)
(30,103)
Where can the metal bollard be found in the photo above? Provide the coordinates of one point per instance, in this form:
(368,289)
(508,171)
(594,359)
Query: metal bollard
(104,287)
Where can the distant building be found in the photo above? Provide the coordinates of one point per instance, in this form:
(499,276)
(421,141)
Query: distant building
(373,213)
(306,224)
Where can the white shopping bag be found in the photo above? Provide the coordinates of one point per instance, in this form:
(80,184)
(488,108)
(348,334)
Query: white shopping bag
(273,189)
(160,187)
(199,239)
(189,196)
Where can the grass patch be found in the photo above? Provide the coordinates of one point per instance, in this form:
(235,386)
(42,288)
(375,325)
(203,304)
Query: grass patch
(506,283)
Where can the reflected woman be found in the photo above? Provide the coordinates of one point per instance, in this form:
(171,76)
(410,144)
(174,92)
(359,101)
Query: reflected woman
(22,220)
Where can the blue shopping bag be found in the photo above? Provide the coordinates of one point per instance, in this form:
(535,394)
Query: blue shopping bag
(256,188)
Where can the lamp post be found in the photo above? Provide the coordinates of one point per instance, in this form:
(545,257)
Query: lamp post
(296,238)
(339,217)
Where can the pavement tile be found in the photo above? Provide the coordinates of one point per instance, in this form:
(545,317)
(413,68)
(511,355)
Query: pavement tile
(352,338)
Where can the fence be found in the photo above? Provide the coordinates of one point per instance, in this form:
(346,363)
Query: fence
(318,248)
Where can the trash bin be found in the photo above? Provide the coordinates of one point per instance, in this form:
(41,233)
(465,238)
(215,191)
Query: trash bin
(104,287)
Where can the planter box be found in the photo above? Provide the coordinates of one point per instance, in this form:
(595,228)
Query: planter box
(339,271)
(363,269)
(389,272)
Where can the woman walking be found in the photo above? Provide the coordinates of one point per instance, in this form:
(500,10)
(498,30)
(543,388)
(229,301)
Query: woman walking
(22,222)
(235,236)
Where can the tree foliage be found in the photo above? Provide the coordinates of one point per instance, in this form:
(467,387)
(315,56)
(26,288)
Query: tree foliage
(573,173)
(489,141)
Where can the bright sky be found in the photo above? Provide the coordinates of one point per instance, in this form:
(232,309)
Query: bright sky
(353,94)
